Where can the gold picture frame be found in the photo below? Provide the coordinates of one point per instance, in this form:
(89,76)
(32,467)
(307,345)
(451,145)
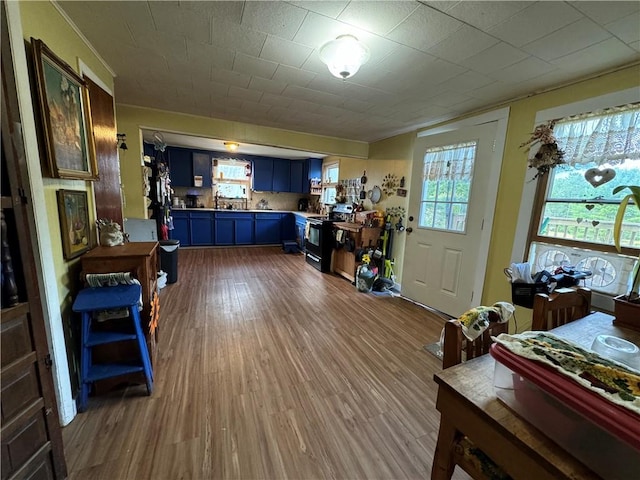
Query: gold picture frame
(63,100)
(73,210)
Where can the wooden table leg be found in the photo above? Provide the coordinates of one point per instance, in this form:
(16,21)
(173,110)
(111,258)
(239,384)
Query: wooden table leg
(443,463)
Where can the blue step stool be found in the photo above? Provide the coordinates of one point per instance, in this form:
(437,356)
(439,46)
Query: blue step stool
(290,246)
(91,300)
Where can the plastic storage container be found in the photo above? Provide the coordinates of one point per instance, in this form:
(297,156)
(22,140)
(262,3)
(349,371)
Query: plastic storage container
(602,435)
(169,259)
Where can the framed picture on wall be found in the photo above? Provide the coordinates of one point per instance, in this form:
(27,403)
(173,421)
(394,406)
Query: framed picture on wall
(64,110)
(73,210)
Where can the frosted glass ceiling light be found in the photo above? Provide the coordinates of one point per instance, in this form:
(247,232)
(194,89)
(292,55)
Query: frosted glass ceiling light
(344,56)
(231,146)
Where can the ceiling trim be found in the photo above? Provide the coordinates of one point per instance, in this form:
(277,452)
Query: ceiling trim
(82,37)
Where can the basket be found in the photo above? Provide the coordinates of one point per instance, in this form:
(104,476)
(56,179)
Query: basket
(522,294)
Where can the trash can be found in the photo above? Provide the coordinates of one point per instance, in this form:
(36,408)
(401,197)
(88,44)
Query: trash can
(169,259)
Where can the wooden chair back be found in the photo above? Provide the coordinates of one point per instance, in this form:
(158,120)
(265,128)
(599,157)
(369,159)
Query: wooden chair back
(455,343)
(557,309)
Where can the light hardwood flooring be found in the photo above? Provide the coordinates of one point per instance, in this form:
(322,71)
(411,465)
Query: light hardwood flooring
(269,369)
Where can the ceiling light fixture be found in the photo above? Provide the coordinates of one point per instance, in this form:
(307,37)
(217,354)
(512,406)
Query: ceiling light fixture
(344,56)
(231,146)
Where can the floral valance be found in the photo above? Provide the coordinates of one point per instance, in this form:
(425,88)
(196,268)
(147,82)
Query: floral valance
(608,136)
(450,162)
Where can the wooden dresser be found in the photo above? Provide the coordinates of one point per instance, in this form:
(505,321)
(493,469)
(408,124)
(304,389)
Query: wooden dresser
(141,259)
(343,261)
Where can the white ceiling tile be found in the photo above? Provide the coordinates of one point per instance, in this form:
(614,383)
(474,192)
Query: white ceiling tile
(568,39)
(204,53)
(356,105)
(449,99)
(494,58)
(199,72)
(626,29)
(464,43)
(274,87)
(181,21)
(441,71)
(227,10)
(316,30)
(443,6)
(606,12)
(245,93)
(535,22)
(327,8)
(635,45)
(293,76)
(276,100)
(424,28)
(378,17)
(610,53)
(285,52)
(230,77)
(303,106)
(485,15)
(277,18)
(493,92)
(255,109)
(518,72)
(232,36)
(466,82)
(112,25)
(212,88)
(254,66)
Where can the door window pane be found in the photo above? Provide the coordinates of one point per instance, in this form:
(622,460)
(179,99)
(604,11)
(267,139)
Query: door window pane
(447,178)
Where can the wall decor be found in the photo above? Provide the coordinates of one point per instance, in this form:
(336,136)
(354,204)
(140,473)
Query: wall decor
(549,155)
(73,210)
(64,111)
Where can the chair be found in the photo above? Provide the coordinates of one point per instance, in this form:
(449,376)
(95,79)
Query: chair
(455,344)
(557,309)
(462,452)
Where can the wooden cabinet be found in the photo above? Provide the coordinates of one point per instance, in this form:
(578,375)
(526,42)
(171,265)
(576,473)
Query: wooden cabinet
(268,228)
(185,163)
(234,228)
(281,175)
(31,444)
(140,258)
(343,261)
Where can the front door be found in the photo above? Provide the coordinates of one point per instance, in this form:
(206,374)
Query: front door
(447,202)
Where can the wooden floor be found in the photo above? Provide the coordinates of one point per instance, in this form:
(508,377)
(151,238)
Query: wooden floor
(269,369)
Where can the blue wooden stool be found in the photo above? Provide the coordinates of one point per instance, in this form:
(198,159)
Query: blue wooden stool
(91,300)
(290,246)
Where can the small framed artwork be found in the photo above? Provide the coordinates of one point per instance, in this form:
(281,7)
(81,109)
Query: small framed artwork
(66,122)
(73,210)
(401,192)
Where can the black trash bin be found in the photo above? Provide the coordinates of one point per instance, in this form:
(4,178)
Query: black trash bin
(169,259)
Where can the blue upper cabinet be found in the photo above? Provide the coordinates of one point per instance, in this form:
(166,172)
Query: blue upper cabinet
(281,175)
(298,177)
(263,174)
(202,167)
(315,168)
(181,166)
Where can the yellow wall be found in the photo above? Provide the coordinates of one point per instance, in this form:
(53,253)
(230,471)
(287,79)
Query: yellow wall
(42,21)
(514,168)
(131,119)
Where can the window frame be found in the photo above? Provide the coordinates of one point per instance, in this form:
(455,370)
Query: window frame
(246,182)
(326,184)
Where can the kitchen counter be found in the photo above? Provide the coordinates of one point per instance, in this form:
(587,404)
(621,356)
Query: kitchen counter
(257,210)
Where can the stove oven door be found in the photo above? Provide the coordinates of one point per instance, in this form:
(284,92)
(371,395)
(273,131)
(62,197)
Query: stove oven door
(313,242)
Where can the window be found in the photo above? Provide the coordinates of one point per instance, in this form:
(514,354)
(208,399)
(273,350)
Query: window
(232,178)
(330,174)
(446,185)
(573,217)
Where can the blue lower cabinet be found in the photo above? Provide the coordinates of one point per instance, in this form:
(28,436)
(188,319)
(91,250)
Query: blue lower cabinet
(201,228)
(301,224)
(288,226)
(268,228)
(224,231)
(244,232)
(235,228)
(181,230)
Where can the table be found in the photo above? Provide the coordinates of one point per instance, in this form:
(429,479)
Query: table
(469,406)
(141,258)
(344,262)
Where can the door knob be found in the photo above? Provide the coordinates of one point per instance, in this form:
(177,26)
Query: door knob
(409,230)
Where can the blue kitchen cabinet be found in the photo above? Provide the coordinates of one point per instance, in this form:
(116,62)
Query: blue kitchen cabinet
(224,231)
(180,166)
(201,228)
(315,168)
(244,229)
(287,226)
(268,227)
(263,174)
(299,176)
(281,175)
(180,228)
(202,167)
(301,224)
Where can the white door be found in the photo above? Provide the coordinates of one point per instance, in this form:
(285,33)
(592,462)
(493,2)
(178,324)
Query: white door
(448,203)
